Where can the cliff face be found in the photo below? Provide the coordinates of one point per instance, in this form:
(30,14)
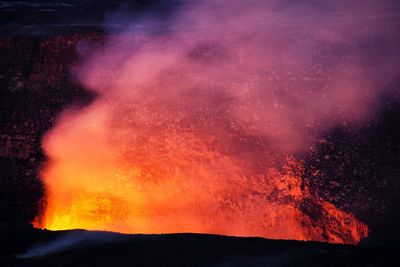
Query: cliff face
(33,72)
(34,86)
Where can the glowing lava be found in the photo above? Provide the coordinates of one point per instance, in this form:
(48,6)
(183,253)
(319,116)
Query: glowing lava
(164,179)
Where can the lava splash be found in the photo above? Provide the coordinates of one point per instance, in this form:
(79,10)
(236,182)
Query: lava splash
(207,195)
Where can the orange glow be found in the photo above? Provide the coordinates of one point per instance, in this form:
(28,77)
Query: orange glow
(192,126)
(176,183)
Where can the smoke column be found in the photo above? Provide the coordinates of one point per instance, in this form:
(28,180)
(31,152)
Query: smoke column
(196,119)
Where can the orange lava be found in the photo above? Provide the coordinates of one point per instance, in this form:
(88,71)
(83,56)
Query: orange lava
(167,181)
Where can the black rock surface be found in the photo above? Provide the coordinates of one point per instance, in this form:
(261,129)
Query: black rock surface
(32,247)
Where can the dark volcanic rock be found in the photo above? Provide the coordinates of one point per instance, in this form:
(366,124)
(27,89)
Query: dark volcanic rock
(106,249)
(35,86)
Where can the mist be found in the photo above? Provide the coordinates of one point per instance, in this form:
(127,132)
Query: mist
(71,241)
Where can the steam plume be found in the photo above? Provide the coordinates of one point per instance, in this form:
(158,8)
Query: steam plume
(194,118)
